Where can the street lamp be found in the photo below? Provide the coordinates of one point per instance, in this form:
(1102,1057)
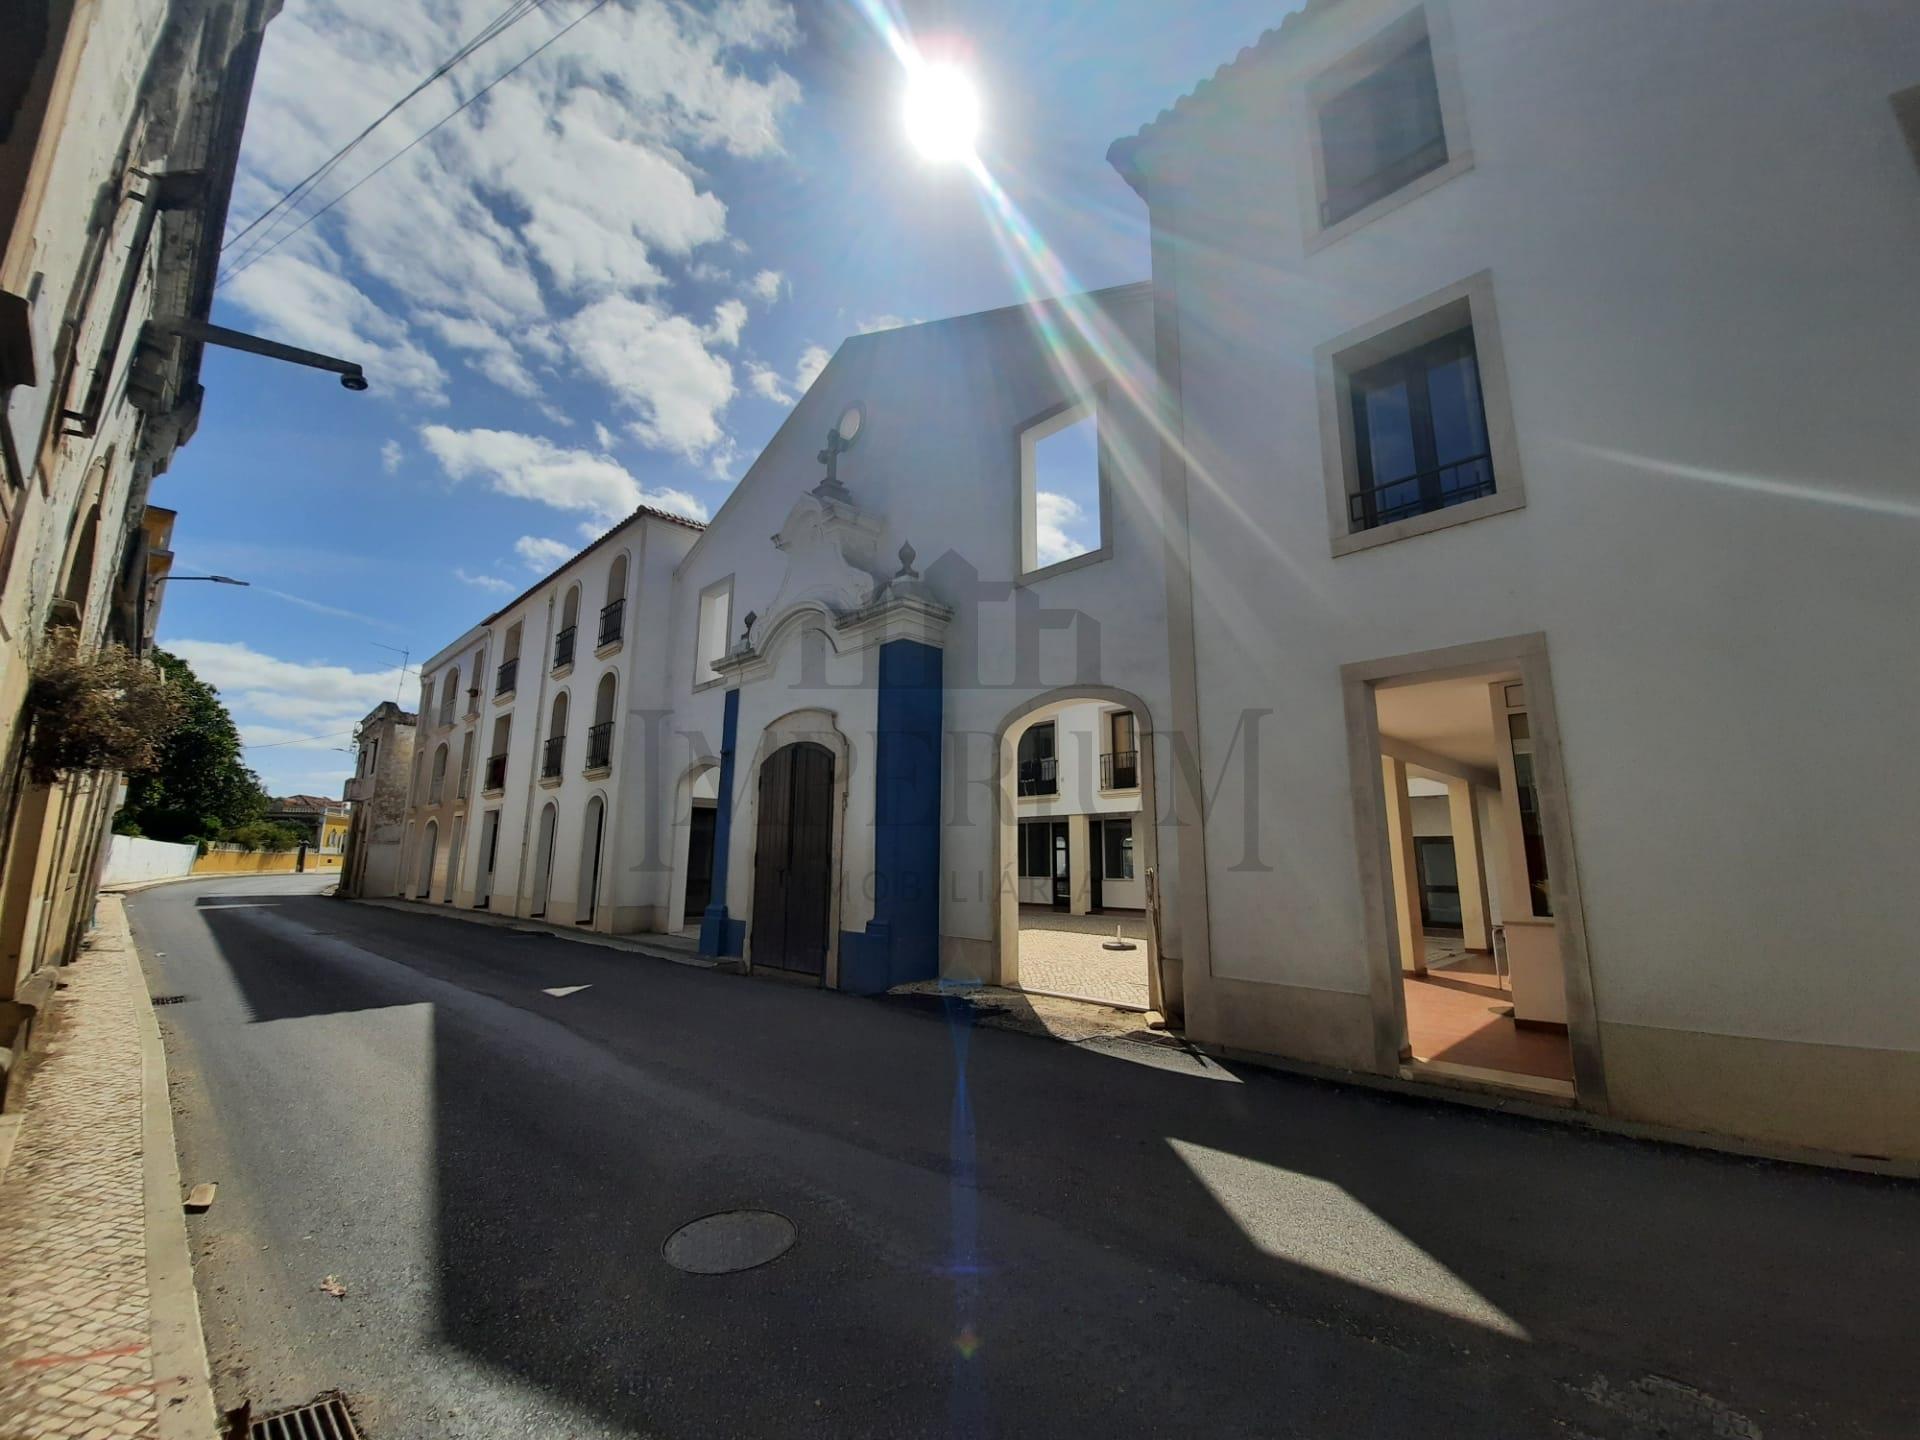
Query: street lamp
(216,579)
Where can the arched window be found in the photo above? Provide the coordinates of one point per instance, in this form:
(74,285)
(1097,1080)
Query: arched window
(449,689)
(613,615)
(496,778)
(556,750)
(600,736)
(438,786)
(569,627)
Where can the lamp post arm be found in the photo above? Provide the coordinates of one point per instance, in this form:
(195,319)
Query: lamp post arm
(188,328)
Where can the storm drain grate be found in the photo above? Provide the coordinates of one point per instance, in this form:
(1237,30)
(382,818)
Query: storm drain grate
(171,999)
(323,1420)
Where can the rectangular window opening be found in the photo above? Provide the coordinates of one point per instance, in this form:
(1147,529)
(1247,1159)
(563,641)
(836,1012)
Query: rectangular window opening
(715,623)
(1061,489)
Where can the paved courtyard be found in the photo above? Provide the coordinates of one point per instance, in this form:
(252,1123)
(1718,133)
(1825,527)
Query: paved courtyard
(1061,955)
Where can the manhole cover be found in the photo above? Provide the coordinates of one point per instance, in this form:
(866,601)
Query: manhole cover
(732,1240)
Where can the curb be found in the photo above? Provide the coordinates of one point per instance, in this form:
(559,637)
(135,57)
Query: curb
(624,943)
(183,1379)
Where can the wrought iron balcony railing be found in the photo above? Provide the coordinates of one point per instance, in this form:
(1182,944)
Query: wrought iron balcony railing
(496,773)
(1120,770)
(556,752)
(563,648)
(612,618)
(508,674)
(600,745)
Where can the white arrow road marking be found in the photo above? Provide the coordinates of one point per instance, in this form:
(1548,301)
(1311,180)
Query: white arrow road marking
(560,992)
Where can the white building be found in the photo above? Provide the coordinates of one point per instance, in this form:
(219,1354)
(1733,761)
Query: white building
(1497,519)
(1543,376)
(524,797)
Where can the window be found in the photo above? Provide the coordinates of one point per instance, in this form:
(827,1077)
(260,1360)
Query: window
(716,622)
(1416,430)
(1420,433)
(613,613)
(569,627)
(1116,845)
(449,687)
(1382,131)
(1037,771)
(509,673)
(600,733)
(556,750)
(1120,766)
(1382,125)
(1062,489)
(1036,849)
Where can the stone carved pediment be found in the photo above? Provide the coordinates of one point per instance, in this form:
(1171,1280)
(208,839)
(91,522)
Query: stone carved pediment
(829,545)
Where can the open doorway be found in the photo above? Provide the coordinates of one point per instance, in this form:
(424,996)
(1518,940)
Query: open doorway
(1080,838)
(696,823)
(1464,819)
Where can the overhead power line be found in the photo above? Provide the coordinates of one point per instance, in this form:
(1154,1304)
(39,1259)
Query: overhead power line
(517,11)
(262,252)
(495,27)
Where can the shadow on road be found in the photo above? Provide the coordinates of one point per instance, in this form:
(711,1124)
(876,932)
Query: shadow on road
(1001,1235)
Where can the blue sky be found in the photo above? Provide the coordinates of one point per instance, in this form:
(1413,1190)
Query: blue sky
(604,282)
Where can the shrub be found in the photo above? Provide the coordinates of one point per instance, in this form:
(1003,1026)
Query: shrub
(106,711)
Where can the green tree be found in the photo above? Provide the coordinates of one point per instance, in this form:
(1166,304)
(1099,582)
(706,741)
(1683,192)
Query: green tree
(199,789)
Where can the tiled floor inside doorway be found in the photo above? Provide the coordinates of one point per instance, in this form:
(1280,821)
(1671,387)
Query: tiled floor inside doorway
(1460,1014)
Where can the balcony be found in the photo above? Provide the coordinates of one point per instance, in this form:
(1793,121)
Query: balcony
(600,746)
(613,619)
(563,648)
(1120,770)
(360,787)
(496,774)
(1038,777)
(508,675)
(1422,493)
(556,751)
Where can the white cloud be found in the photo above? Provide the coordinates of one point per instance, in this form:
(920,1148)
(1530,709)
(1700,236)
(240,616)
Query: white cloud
(883,322)
(578,178)
(391,454)
(304,304)
(602,436)
(658,366)
(491,352)
(531,467)
(729,319)
(541,554)
(766,382)
(287,710)
(491,583)
(1053,514)
(812,361)
(767,285)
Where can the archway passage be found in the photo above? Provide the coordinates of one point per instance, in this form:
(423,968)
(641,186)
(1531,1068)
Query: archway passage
(793,860)
(1079,852)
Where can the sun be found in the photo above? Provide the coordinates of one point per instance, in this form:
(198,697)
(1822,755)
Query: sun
(942,112)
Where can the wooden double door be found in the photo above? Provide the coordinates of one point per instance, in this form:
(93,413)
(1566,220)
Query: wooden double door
(793,860)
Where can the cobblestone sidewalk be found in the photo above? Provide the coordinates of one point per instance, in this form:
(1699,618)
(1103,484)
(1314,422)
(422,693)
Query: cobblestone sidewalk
(77,1354)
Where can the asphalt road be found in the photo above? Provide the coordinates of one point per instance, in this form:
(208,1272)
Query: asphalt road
(998,1234)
